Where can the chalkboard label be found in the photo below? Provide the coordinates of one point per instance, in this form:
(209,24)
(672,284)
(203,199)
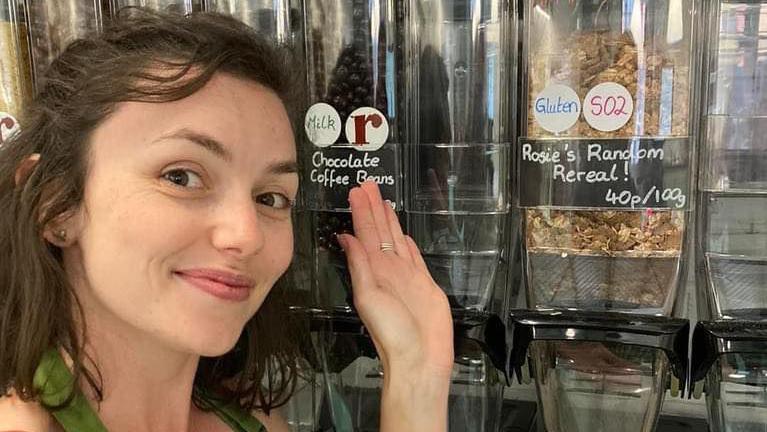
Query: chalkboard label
(635,173)
(333,171)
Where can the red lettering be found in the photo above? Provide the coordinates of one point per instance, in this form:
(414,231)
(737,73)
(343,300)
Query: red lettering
(8,123)
(596,103)
(622,109)
(360,121)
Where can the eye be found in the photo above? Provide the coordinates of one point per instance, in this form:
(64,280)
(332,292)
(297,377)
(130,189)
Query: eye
(184,178)
(274,200)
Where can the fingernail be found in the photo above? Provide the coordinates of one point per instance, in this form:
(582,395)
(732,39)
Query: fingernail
(341,240)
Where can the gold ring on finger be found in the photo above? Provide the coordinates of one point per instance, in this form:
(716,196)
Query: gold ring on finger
(385,247)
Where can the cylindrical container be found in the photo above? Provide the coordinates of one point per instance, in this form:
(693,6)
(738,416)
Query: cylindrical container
(605,174)
(736,393)
(54,24)
(351,125)
(15,67)
(476,392)
(729,363)
(269,17)
(176,6)
(459,80)
(733,179)
(353,379)
(599,371)
(593,386)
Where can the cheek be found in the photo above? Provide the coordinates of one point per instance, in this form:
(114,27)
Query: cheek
(128,236)
(279,241)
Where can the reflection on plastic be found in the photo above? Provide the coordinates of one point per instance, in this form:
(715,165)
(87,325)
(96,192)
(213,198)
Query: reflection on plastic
(599,387)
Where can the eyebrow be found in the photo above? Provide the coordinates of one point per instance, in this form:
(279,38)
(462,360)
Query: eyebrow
(286,167)
(214,146)
(205,141)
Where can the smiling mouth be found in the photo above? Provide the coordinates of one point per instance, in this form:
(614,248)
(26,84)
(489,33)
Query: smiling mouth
(225,286)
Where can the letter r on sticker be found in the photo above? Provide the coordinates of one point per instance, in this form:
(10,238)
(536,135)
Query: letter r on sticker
(360,126)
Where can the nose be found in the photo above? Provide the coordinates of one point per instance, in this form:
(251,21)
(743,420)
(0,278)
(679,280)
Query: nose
(238,231)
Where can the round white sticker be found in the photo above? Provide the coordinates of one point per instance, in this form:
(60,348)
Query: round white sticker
(367,129)
(8,126)
(557,108)
(322,124)
(608,107)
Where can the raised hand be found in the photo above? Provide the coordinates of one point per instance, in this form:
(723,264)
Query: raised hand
(406,313)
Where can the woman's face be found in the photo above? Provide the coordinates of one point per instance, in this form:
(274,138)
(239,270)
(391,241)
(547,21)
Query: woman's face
(186,221)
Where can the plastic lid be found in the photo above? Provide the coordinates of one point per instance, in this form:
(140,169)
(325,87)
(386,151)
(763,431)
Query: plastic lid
(714,338)
(473,332)
(667,334)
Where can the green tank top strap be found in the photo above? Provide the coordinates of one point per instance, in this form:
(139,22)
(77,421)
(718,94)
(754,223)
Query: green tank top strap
(229,413)
(55,382)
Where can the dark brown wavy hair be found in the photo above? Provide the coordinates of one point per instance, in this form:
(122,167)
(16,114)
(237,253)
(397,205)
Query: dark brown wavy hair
(147,57)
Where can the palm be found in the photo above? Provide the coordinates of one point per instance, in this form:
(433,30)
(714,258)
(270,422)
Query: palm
(407,314)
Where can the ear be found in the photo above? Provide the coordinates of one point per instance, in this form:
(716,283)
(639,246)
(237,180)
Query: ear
(25,168)
(64,230)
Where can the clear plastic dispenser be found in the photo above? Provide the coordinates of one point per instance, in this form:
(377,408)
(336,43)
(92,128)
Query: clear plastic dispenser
(733,204)
(729,345)
(273,18)
(605,156)
(460,76)
(729,363)
(599,371)
(353,378)
(15,67)
(351,126)
(54,24)
(176,6)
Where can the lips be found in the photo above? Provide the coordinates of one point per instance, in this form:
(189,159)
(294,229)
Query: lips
(221,284)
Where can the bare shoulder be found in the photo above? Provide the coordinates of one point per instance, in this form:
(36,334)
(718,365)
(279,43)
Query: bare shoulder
(17,415)
(273,422)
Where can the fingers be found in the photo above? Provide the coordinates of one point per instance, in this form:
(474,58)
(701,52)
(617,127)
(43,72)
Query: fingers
(416,256)
(364,223)
(378,209)
(359,265)
(400,244)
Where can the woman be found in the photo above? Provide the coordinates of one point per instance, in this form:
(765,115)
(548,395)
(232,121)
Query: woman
(147,217)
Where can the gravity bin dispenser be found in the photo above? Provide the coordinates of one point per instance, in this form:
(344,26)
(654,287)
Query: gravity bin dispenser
(350,387)
(604,168)
(351,128)
(448,142)
(729,348)
(459,81)
(351,134)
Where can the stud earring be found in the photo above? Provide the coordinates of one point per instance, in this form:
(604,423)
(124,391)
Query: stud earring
(61,235)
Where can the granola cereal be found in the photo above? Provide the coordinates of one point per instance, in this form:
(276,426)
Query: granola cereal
(653,77)
(608,241)
(595,57)
(608,233)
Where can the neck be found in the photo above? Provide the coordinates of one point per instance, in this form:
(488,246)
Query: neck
(146,386)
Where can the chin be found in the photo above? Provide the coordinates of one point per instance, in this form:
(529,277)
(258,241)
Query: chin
(212,344)
(214,350)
